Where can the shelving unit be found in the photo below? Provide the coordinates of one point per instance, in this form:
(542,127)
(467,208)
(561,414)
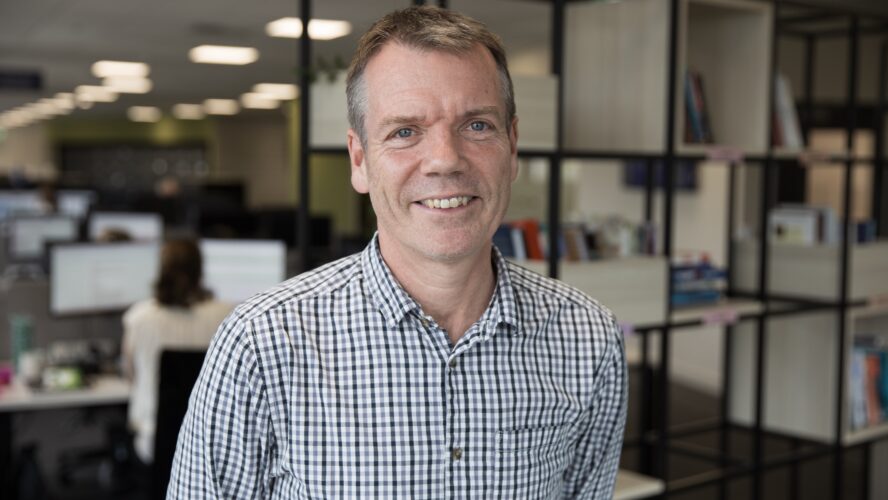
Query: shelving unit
(617,92)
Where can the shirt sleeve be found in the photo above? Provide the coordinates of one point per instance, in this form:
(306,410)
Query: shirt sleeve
(225,442)
(597,458)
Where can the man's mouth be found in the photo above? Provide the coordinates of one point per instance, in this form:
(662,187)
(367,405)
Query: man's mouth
(447,203)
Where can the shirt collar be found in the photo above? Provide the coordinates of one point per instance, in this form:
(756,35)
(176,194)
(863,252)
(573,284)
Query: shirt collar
(394,302)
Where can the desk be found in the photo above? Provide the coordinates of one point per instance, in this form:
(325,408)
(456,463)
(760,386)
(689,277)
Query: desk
(104,390)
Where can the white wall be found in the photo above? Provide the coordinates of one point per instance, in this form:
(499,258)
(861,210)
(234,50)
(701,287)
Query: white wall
(28,148)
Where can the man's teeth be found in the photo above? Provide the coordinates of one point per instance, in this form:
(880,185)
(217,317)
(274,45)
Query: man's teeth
(456,201)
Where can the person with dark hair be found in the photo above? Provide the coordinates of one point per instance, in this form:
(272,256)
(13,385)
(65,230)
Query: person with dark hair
(182,314)
(426,366)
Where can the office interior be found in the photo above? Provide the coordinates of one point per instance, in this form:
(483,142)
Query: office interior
(767,116)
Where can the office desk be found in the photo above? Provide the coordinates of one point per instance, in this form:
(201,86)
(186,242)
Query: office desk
(103,391)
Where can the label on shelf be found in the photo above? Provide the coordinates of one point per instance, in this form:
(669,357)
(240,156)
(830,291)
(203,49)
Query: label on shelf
(723,153)
(879,301)
(722,316)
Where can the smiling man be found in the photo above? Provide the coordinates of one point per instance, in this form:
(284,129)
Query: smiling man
(426,366)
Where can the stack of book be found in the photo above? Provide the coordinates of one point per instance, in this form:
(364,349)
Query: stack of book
(803,225)
(697,124)
(696,283)
(868,383)
(610,237)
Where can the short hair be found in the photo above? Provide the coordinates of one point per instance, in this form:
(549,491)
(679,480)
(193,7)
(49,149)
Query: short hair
(428,28)
(181,271)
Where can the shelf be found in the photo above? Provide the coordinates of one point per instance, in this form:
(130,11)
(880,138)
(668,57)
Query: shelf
(727,41)
(726,311)
(819,264)
(632,485)
(634,288)
(866,434)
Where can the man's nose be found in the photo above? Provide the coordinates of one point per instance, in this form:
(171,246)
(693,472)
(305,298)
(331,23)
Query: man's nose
(444,153)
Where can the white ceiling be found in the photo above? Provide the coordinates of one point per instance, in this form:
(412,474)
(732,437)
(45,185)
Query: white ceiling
(62,38)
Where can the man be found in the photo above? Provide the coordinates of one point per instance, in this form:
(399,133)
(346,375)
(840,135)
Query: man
(426,366)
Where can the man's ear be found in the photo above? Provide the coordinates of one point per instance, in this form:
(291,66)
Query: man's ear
(513,143)
(358,165)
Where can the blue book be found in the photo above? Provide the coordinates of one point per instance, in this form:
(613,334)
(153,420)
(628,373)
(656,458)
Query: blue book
(502,238)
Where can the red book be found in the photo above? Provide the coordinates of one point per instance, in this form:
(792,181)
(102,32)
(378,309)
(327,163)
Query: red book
(531,230)
(873,403)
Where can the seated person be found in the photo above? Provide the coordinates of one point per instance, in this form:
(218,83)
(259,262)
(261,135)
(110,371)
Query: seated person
(181,315)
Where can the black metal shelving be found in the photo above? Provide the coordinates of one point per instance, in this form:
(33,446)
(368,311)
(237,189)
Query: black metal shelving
(659,437)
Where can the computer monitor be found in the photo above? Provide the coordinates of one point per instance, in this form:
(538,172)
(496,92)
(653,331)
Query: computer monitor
(234,270)
(101,277)
(75,202)
(27,235)
(20,202)
(138,225)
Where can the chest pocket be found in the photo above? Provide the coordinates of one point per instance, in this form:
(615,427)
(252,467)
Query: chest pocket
(530,462)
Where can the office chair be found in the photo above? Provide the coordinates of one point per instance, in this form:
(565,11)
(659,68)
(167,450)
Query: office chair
(178,373)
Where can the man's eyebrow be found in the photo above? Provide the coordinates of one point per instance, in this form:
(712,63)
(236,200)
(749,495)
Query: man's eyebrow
(400,120)
(486,110)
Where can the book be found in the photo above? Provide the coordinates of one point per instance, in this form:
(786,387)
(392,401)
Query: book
(502,238)
(531,230)
(518,244)
(787,117)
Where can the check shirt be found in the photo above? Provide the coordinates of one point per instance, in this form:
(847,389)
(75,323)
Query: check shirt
(336,384)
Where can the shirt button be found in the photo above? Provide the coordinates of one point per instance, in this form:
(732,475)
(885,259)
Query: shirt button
(425,322)
(453,362)
(456,454)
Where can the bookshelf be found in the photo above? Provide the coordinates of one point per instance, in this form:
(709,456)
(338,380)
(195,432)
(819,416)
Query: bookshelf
(618,66)
(622,84)
(801,363)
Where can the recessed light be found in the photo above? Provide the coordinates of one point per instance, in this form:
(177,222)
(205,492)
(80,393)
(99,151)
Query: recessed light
(189,111)
(221,107)
(255,100)
(279,91)
(128,84)
(95,93)
(148,114)
(222,54)
(105,69)
(318,29)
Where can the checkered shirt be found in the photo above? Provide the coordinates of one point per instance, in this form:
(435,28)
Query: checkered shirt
(336,384)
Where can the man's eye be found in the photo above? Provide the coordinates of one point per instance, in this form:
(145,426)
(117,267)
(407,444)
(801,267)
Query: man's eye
(403,133)
(479,126)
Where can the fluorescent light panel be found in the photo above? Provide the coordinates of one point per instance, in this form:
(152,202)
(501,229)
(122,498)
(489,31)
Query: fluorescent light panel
(128,84)
(148,114)
(95,93)
(221,107)
(222,54)
(106,69)
(254,100)
(188,111)
(279,91)
(318,29)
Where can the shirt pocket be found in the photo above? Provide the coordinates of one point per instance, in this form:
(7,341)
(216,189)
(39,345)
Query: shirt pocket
(531,461)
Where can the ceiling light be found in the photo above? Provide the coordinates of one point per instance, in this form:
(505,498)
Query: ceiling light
(255,100)
(128,84)
(279,91)
(221,107)
(53,107)
(148,114)
(318,29)
(220,54)
(95,93)
(65,100)
(188,111)
(105,69)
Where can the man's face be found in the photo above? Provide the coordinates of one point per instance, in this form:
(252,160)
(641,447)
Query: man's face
(438,160)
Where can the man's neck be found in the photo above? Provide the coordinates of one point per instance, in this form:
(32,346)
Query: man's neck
(454,293)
